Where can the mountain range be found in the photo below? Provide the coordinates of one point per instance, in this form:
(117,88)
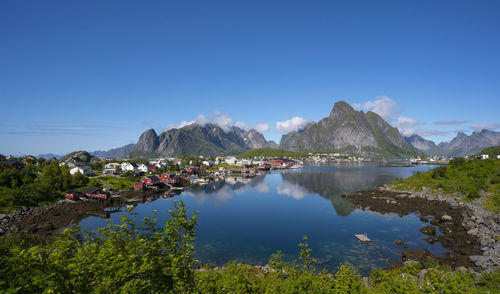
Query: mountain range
(345,130)
(461,145)
(195,139)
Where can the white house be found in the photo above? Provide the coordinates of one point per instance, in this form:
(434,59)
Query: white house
(484,156)
(230,160)
(160,165)
(83,169)
(129,166)
(244,162)
(208,162)
(144,168)
(112,168)
(498,156)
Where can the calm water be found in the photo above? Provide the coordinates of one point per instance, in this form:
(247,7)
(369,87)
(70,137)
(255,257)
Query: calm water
(250,219)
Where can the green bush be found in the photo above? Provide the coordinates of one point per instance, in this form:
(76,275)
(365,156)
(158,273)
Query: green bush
(124,257)
(439,171)
(142,258)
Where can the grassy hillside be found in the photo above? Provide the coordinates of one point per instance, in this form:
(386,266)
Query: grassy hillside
(462,178)
(491,151)
(81,156)
(387,147)
(271,152)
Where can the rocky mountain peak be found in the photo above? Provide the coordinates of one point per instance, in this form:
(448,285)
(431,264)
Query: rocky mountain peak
(147,143)
(340,109)
(350,131)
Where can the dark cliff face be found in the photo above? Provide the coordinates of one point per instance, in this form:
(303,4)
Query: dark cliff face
(256,140)
(207,140)
(147,143)
(287,140)
(353,132)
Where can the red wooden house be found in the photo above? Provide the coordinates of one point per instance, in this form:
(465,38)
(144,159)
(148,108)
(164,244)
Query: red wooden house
(265,166)
(75,195)
(151,181)
(139,186)
(175,179)
(165,177)
(248,168)
(193,170)
(96,193)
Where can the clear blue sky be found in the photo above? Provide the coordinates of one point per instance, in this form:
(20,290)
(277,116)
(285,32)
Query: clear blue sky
(95,74)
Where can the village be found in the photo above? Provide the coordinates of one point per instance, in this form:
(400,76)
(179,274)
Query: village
(167,176)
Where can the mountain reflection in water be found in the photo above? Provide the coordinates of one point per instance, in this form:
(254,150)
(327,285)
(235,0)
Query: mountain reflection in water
(249,219)
(324,181)
(332,184)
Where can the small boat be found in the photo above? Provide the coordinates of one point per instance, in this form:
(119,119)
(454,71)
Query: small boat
(362,237)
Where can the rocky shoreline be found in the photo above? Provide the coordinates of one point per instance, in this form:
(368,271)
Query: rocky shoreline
(469,230)
(47,220)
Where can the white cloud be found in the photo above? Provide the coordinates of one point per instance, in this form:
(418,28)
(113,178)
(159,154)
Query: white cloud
(479,127)
(450,122)
(218,197)
(261,128)
(406,122)
(293,190)
(294,124)
(222,120)
(242,125)
(262,187)
(199,119)
(383,106)
(423,132)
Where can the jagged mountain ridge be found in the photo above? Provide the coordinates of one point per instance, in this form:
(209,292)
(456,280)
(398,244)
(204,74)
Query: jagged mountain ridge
(194,139)
(353,132)
(461,145)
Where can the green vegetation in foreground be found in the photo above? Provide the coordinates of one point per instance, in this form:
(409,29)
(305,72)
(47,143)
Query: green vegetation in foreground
(132,258)
(271,152)
(462,178)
